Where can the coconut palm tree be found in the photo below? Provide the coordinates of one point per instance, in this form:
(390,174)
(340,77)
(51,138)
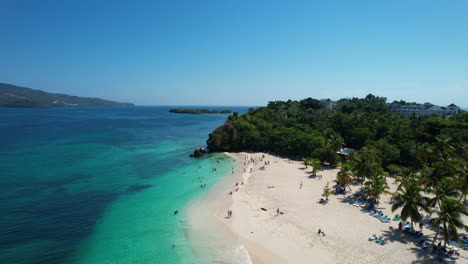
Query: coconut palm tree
(345,175)
(446,189)
(449,216)
(376,186)
(316,166)
(334,143)
(326,191)
(306,161)
(364,163)
(409,196)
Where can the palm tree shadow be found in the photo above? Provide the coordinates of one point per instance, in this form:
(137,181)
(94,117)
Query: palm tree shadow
(424,255)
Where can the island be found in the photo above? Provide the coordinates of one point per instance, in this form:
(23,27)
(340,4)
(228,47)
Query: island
(199,111)
(16,96)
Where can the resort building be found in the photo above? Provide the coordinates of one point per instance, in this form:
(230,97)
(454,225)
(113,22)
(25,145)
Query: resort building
(424,109)
(328,103)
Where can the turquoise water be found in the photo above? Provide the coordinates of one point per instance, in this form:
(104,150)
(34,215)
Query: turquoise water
(100,185)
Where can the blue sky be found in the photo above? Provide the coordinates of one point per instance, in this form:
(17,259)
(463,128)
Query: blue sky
(234,52)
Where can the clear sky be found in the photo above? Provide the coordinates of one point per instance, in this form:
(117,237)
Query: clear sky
(234,52)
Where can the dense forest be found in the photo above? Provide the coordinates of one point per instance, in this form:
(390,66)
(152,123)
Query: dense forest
(426,155)
(307,128)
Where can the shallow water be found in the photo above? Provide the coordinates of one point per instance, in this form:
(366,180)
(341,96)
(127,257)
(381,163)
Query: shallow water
(100,185)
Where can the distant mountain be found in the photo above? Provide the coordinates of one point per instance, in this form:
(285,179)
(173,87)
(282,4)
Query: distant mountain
(15,96)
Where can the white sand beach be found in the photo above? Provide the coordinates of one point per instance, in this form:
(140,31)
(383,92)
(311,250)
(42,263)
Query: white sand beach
(291,237)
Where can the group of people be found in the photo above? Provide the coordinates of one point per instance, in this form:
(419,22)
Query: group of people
(229,213)
(320,232)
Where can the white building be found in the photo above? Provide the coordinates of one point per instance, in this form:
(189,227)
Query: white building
(328,103)
(425,109)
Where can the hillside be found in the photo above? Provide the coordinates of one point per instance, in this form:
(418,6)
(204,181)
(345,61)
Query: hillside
(15,96)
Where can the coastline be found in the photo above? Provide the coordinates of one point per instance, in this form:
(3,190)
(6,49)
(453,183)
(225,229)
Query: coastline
(292,237)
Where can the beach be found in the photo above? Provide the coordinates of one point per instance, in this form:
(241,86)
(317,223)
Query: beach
(292,235)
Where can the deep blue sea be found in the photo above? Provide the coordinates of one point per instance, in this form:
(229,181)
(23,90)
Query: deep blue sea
(100,185)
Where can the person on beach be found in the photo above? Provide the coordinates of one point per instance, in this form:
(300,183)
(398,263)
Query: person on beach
(319,232)
(277,212)
(300,186)
(400,225)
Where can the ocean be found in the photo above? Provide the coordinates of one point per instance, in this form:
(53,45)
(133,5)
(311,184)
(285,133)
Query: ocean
(100,185)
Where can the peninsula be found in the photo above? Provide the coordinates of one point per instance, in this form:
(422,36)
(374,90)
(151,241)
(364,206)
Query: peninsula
(199,111)
(15,96)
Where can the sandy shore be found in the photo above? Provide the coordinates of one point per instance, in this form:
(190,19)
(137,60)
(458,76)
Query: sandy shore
(291,237)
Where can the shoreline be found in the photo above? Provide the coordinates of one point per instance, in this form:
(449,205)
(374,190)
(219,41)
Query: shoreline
(291,237)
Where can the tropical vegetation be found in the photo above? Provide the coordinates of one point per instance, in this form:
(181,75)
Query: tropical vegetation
(426,155)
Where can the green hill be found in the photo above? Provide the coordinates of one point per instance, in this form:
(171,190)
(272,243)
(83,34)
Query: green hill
(15,96)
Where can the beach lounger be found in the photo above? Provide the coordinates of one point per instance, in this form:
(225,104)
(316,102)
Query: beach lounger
(420,243)
(385,219)
(425,245)
(441,259)
(383,241)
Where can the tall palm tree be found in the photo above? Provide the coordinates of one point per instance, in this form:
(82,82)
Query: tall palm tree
(345,175)
(365,163)
(446,189)
(306,161)
(424,153)
(316,166)
(376,186)
(334,143)
(449,215)
(409,196)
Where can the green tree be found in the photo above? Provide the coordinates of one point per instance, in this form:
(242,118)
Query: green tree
(316,167)
(449,216)
(377,185)
(364,163)
(408,196)
(345,175)
(307,161)
(326,191)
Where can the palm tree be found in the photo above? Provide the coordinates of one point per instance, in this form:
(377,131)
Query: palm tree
(449,215)
(306,161)
(409,196)
(424,153)
(344,176)
(334,143)
(326,191)
(445,190)
(364,163)
(464,185)
(376,186)
(316,166)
